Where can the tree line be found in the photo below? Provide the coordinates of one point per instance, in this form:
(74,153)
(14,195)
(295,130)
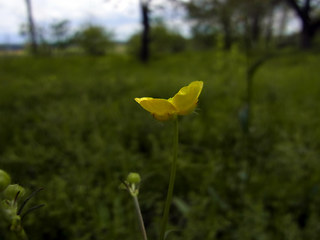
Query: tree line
(247,22)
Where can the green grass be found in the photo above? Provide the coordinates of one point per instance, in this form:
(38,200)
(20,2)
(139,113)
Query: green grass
(71,125)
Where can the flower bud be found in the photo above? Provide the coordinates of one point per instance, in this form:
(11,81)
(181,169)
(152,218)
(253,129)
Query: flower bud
(11,191)
(4,180)
(133,178)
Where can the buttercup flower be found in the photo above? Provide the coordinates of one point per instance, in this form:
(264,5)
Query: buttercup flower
(183,103)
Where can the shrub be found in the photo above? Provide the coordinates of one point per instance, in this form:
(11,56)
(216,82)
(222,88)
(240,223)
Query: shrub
(94,40)
(162,41)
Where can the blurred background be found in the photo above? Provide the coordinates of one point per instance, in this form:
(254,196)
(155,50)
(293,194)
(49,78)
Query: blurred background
(249,157)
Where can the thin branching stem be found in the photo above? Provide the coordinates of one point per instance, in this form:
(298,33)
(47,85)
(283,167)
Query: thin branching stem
(141,223)
(21,234)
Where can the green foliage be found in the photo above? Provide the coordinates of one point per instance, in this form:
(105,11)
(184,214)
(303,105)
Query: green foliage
(203,37)
(162,41)
(12,209)
(60,31)
(94,40)
(4,180)
(247,21)
(12,190)
(71,126)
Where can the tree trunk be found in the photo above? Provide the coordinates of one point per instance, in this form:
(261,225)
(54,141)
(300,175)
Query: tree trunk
(227,33)
(255,27)
(269,28)
(145,38)
(309,30)
(309,26)
(32,33)
(306,36)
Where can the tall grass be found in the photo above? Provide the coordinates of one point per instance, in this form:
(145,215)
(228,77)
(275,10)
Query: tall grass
(71,125)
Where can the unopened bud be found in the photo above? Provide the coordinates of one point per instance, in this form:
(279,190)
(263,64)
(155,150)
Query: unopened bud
(11,191)
(133,178)
(4,180)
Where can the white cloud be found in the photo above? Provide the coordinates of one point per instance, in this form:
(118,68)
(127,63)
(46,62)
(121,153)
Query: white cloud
(12,15)
(121,16)
(77,9)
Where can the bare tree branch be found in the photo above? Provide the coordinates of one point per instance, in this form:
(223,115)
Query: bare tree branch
(31,25)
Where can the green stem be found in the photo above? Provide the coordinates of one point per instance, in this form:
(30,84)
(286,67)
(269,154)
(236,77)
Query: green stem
(22,234)
(171,181)
(141,223)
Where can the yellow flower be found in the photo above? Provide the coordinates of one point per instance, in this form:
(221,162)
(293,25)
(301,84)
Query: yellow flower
(183,103)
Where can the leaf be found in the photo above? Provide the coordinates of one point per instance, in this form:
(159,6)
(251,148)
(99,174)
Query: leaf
(182,206)
(168,232)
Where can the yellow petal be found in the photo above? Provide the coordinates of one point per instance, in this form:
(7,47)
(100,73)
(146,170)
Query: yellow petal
(186,99)
(160,108)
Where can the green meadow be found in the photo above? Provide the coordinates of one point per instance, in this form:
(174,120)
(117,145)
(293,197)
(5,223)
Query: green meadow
(71,125)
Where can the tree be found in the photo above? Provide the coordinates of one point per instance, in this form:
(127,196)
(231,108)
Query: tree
(310,24)
(146,7)
(212,16)
(94,40)
(31,26)
(162,41)
(166,41)
(145,38)
(232,18)
(59,32)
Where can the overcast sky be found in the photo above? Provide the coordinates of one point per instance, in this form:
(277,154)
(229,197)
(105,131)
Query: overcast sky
(120,16)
